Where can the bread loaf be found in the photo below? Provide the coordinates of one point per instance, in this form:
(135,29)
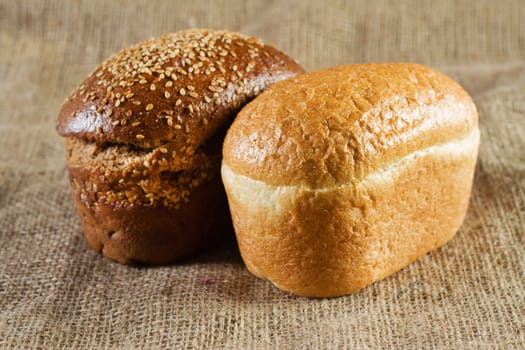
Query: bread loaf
(341,177)
(144,136)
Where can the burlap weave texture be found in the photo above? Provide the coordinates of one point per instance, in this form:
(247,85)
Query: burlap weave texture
(55,293)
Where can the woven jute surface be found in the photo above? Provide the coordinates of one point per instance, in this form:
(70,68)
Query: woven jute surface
(55,293)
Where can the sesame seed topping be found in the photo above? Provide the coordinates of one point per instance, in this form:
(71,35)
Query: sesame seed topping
(197,63)
(163,150)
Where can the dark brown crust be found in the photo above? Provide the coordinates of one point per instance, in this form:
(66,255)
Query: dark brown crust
(152,116)
(155,235)
(240,68)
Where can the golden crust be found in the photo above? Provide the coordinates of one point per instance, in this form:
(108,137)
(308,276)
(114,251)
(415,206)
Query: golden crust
(339,178)
(333,241)
(337,125)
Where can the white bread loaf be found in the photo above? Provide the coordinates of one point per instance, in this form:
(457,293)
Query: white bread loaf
(341,177)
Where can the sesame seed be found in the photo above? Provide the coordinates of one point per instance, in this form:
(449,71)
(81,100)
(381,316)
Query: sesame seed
(177,126)
(149,107)
(109,112)
(123,122)
(139,137)
(204,121)
(163,150)
(193,94)
(190,87)
(116,122)
(137,123)
(168,84)
(207,99)
(152,87)
(178,102)
(167,94)
(182,91)
(117,103)
(217,101)
(136,102)
(143,81)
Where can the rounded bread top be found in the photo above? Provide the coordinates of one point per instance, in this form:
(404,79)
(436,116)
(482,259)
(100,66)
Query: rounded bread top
(178,87)
(337,125)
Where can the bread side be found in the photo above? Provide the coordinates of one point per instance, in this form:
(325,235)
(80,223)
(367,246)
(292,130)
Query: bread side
(331,241)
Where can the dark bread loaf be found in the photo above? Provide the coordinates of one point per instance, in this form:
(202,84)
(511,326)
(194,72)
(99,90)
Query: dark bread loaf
(144,135)
(341,177)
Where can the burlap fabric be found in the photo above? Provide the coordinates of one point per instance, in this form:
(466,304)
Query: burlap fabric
(57,294)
